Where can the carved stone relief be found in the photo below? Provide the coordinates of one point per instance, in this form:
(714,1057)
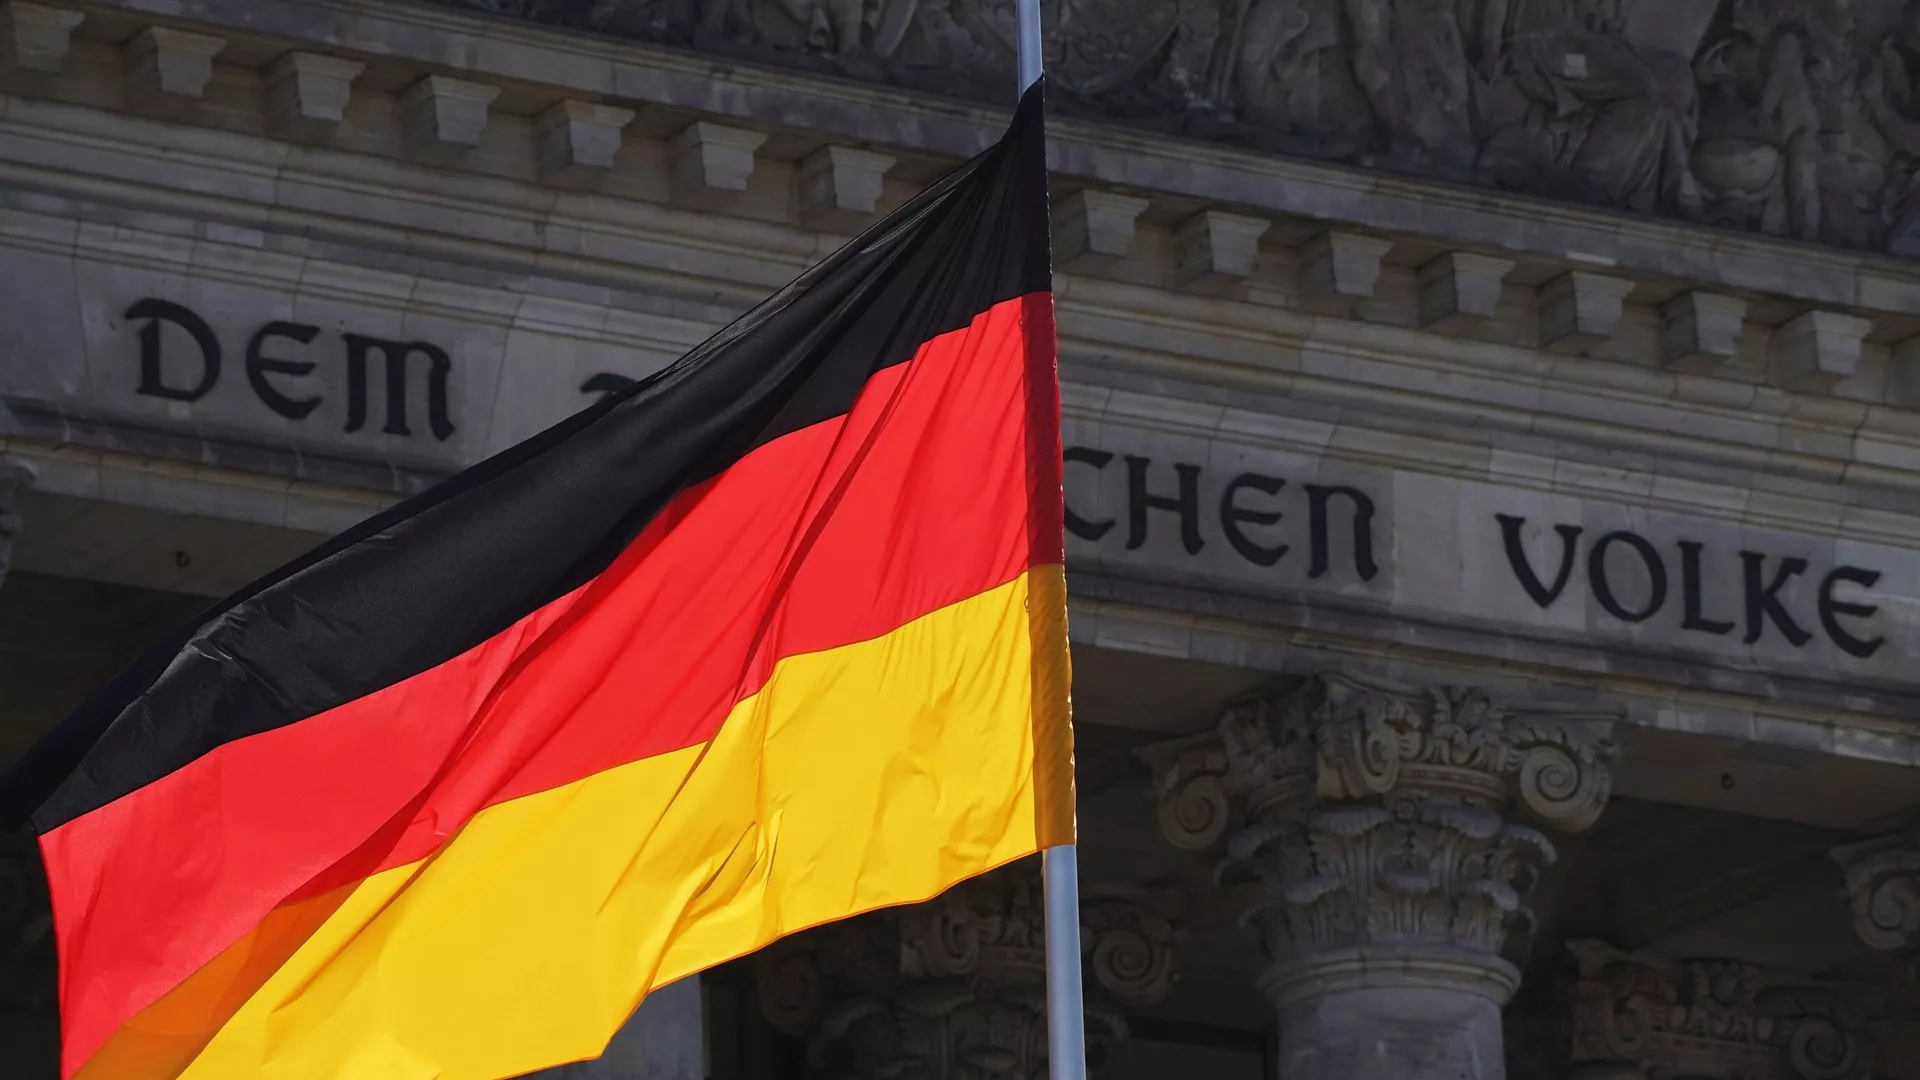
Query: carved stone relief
(1883,891)
(1381,822)
(1641,1017)
(954,989)
(1794,117)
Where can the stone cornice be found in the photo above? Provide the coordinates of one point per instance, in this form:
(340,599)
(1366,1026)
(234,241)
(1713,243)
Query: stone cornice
(718,265)
(646,75)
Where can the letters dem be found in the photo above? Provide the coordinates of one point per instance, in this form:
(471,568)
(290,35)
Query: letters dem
(276,378)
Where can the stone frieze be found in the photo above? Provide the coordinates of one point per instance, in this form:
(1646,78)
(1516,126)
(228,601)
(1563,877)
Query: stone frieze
(1797,118)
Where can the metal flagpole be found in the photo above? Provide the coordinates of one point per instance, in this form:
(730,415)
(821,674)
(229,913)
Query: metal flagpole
(1066,1020)
(1028,12)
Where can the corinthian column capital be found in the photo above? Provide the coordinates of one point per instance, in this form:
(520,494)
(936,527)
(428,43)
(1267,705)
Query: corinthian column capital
(1637,1016)
(1883,891)
(1397,832)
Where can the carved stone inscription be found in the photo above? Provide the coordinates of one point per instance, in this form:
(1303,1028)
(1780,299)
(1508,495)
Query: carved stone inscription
(1762,580)
(1793,117)
(1277,525)
(1245,513)
(276,366)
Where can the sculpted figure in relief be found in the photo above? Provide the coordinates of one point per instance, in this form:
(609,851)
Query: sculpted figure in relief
(1760,134)
(1795,117)
(1566,90)
(1891,93)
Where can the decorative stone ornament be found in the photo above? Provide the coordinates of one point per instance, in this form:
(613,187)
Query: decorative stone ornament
(711,162)
(579,141)
(1596,106)
(955,988)
(1701,330)
(1394,836)
(1338,269)
(1580,311)
(1883,892)
(168,69)
(1093,229)
(15,479)
(1459,289)
(1644,1018)
(442,118)
(307,93)
(840,187)
(1214,250)
(35,38)
(1818,349)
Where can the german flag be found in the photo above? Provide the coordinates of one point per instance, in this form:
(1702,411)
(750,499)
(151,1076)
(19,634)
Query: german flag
(772,638)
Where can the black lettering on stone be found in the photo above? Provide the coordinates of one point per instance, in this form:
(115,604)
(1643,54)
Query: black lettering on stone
(1543,595)
(1318,496)
(1077,525)
(1603,588)
(260,365)
(1763,601)
(395,354)
(1694,615)
(1831,609)
(152,380)
(1232,514)
(1186,504)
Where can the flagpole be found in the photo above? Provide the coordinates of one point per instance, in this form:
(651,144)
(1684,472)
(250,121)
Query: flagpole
(1066,1019)
(1028,14)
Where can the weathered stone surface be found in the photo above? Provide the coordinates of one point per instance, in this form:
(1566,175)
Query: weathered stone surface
(35,38)
(711,161)
(443,117)
(1818,349)
(1638,1017)
(1379,817)
(167,69)
(1460,288)
(307,93)
(579,140)
(840,187)
(1386,830)
(1338,269)
(954,989)
(1093,229)
(1580,310)
(1883,891)
(1214,250)
(1699,330)
(1795,119)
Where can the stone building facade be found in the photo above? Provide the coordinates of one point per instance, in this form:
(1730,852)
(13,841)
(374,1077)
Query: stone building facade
(1493,471)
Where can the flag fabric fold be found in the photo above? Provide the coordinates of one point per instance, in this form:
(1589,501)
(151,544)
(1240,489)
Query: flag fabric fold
(774,637)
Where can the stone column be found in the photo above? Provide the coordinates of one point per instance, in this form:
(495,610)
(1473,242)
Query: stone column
(955,989)
(1647,1018)
(15,479)
(1388,832)
(1883,889)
